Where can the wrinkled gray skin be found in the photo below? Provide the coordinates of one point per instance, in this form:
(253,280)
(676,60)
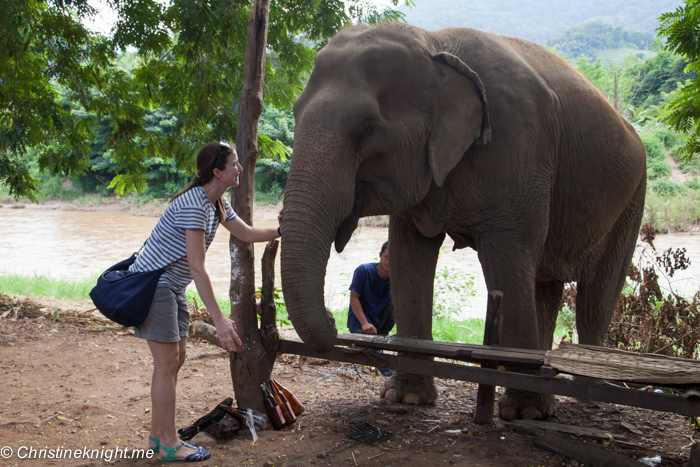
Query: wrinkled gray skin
(534,170)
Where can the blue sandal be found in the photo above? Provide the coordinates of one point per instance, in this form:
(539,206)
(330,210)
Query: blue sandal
(199,454)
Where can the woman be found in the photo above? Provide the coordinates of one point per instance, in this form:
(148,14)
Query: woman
(180,241)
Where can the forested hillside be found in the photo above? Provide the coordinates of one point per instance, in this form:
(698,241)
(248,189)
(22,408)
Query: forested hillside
(536,20)
(595,38)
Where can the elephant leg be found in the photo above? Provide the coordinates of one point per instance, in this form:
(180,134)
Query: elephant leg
(598,291)
(510,265)
(548,297)
(526,404)
(413,260)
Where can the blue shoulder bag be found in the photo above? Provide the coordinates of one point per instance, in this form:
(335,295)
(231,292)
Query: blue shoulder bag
(125,296)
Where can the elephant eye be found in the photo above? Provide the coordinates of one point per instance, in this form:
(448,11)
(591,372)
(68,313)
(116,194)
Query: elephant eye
(365,132)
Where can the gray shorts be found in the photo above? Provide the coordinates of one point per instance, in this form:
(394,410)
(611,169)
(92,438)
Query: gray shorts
(168,319)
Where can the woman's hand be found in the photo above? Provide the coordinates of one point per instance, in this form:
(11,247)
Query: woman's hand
(279,217)
(226,331)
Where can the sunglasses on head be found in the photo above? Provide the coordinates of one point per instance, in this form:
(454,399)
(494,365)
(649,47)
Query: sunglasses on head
(223,144)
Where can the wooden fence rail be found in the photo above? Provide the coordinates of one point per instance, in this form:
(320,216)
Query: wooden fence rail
(360,349)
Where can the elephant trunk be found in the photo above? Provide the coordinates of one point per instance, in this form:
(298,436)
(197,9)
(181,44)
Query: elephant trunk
(314,208)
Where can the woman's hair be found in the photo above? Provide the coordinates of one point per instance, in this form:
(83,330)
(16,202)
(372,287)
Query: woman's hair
(385,245)
(211,156)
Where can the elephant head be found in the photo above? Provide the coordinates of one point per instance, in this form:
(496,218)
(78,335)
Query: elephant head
(385,114)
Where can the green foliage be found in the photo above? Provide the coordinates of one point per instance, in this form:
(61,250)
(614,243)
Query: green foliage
(62,84)
(56,187)
(44,48)
(566,325)
(653,145)
(665,187)
(656,169)
(680,28)
(591,38)
(451,292)
(658,75)
(691,166)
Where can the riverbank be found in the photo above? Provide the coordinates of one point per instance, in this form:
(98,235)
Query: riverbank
(678,211)
(135,205)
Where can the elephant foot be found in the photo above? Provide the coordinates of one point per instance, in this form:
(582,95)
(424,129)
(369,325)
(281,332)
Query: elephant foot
(526,405)
(410,389)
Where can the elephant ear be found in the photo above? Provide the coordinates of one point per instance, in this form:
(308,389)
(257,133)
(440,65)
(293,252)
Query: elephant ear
(460,115)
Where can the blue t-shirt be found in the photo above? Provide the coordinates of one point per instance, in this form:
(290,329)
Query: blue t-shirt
(167,245)
(375,294)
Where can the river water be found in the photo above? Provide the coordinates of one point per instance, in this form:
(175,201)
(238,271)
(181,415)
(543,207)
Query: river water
(79,244)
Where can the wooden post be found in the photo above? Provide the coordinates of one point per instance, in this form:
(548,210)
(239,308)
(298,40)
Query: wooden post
(493,327)
(253,363)
(694,456)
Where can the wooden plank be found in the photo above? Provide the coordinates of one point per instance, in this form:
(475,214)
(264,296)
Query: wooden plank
(448,350)
(593,433)
(584,453)
(578,389)
(410,342)
(398,344)
(506,358)
(547,371)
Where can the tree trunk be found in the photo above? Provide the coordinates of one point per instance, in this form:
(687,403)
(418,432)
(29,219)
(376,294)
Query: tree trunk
(253,363)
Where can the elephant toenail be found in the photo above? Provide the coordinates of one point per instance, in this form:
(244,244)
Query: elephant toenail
(530,413)
(411,398)
(392,395)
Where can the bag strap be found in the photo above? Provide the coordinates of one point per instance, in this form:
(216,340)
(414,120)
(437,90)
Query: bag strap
(142,247)
(167,266)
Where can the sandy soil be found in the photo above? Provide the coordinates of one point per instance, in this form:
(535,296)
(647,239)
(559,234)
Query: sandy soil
(73,381)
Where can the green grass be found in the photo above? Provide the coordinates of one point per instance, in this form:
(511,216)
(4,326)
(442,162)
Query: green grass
(445,329)
(224,302)
(41,285)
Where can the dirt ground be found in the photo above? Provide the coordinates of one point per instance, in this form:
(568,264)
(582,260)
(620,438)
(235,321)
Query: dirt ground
(72,381)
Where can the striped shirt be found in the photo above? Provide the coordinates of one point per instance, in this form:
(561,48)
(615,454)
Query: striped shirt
(167,244)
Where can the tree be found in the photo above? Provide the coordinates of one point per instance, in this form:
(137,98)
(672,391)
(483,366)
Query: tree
(681,28)
(189,63)
(592,38)
(44,49)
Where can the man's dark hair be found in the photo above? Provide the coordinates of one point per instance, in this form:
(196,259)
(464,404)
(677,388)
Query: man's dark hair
(385,245)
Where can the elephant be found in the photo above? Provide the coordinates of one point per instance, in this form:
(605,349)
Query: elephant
(492,140)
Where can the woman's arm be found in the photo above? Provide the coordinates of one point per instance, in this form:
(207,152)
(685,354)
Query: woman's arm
(248,234)
(196,251)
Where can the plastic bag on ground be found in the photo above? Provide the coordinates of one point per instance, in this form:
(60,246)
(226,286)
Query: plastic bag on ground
(251,424)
